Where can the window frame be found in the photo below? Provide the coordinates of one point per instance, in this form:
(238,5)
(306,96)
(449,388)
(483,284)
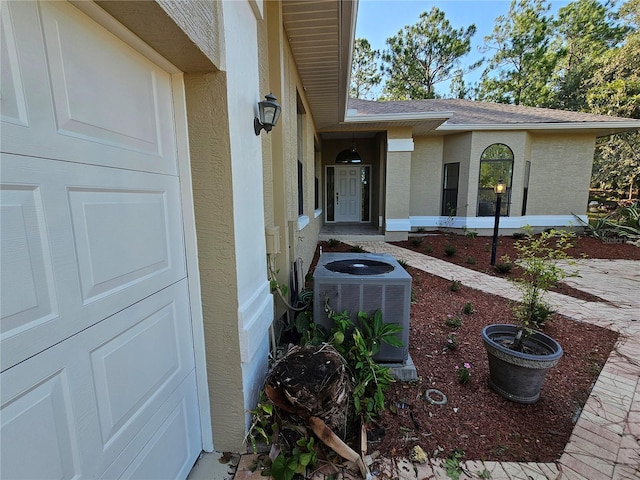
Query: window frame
(483,207)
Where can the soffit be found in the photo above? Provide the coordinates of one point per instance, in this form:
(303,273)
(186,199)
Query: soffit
(321,34)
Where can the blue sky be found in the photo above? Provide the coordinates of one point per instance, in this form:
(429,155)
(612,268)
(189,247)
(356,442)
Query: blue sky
(380,19)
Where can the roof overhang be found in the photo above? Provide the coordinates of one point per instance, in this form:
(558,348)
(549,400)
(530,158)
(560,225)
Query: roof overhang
(421,123)
(600,129)
(321,34)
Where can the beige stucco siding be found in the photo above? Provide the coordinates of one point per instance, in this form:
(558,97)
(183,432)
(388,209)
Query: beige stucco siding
(211,167)
(560,174)
(426,176)
(457,149)
(303,241)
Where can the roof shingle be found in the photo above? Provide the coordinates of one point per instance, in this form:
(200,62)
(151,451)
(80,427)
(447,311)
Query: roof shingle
(468,112)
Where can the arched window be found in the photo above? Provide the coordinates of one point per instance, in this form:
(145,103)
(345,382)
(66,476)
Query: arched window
(496,163)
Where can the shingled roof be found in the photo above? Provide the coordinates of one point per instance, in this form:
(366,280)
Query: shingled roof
(467,112)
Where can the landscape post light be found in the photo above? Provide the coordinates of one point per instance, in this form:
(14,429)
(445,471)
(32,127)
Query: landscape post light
(499,189)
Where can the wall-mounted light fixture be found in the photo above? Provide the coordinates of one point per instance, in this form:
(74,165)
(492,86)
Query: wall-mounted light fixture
(269,112)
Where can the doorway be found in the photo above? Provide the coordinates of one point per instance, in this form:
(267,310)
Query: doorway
(348,193)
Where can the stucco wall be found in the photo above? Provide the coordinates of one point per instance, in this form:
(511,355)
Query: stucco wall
(457,149)
(560,174)
(426,176)
(302,230)
(228,197)
(211,169)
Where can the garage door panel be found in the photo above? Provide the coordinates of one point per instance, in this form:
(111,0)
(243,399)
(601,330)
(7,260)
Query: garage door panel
(14,102)
(113,101)
(121,238)
(71,405)
(45,405)
(104,256)
(96,349)
(113,109)
(166,446)
(27,293)
(124,380)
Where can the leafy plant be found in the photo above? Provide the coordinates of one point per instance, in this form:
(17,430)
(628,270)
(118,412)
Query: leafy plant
(450,250)
(334,242)
(468,308)
(504,265)
(452,464)
(403,263)
(416,241)
(539,257)
(453,321)
(285,467)
(310,332)
(263,422)
(452,342)
(455,285)
(624,222)
(470,233)
(464,376)
(471,261)
(428,249)
(356,249)
(358,346)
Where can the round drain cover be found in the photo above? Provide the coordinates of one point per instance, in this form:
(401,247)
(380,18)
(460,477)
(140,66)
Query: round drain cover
(359,266)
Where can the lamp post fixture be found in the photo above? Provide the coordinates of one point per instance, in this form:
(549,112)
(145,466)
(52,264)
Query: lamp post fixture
(499,189)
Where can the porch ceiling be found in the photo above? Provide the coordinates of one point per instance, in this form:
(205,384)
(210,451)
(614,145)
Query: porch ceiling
(321,34)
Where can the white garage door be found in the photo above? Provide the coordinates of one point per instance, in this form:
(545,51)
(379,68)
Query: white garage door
(96,347)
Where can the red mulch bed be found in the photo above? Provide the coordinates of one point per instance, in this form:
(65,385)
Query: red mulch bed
(475,419)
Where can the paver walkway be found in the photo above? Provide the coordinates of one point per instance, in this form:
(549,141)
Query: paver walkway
(605,443)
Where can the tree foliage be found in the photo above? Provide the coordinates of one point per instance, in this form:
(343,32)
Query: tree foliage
(365,71)
(521,65)
(582,33)
(420,56)
(615,90)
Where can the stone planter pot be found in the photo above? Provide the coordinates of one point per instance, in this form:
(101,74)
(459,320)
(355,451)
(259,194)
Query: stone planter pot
(514,375)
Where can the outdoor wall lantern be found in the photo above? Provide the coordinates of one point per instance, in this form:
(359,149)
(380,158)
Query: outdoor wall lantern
(269,112)
(499,190)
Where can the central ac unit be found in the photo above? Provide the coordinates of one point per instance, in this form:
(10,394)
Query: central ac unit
(364,282)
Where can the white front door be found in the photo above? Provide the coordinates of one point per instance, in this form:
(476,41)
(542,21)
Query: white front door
(347,199)
(98,371)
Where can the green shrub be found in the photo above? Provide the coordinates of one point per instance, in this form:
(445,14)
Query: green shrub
(502,267)
(450,250)
(453,321)
(471,260)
